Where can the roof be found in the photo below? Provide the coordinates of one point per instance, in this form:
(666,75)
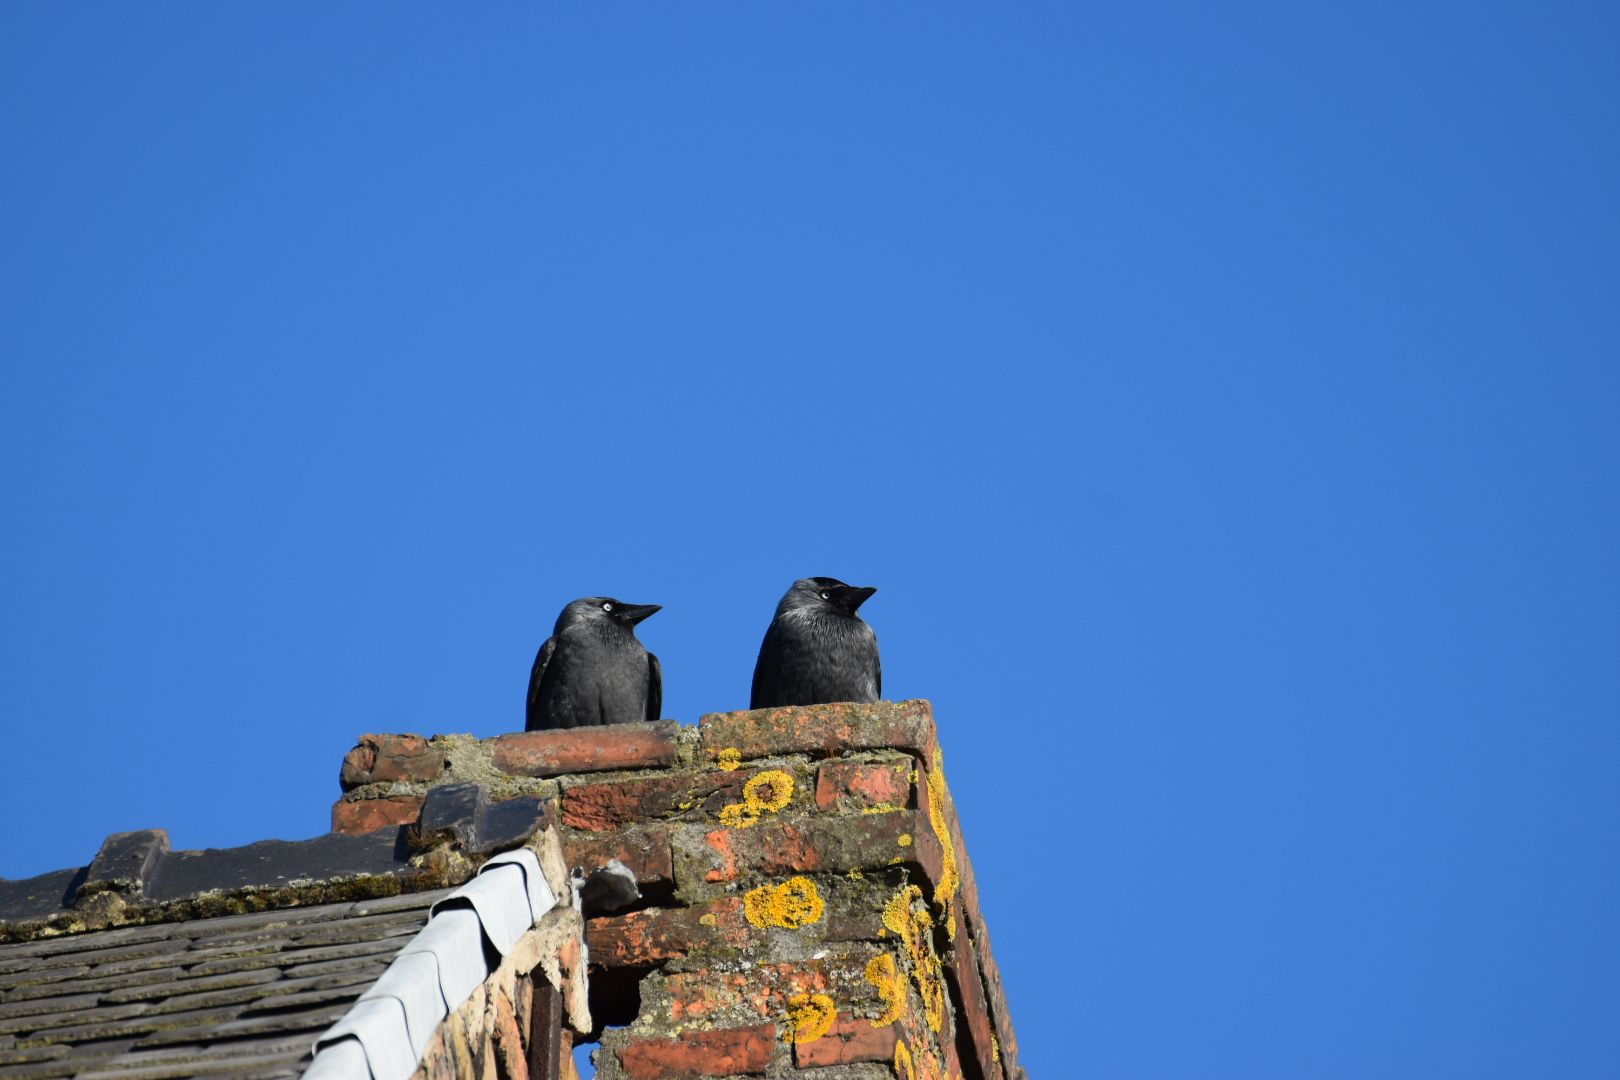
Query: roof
(152,963)
(244,994)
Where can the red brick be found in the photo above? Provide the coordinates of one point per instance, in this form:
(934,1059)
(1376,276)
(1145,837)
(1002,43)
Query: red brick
(805,845)
(391,758)
(512,1058)
(587,749)
(644,851)
(764,989)
(848,1040)
(700,1053)
(973,1012)
(822,729)
(614,804)
(1000,1016)
(370,815)
(643,938)
(861,784)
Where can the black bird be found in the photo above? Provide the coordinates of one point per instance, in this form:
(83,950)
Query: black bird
(817,649)
(592,670)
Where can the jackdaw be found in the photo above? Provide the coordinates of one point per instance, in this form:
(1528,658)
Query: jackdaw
(606,890)
(817,649)
(592,670)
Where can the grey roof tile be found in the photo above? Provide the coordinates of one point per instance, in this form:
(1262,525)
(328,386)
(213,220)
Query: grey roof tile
(101,939)
(107,983)
(317,1018)
(41,976)
(180,985)
(234,926)
(29,1054)
(44,1070)
(402,902)
(155,948)
(239,995)
(136,1024)
(17,963)
(14,1013)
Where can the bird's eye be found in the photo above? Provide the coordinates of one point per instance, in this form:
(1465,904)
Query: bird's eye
(607,607)
(825,595)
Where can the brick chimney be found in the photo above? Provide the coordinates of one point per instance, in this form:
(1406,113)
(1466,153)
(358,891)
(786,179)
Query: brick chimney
(806,898)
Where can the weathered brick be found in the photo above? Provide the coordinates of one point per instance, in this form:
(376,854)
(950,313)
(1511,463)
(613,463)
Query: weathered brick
(391,758)
(369,815)
(700,1053)
(857,784)
(973,1013)
(614,804)
(642,938)
(507,1039)
(1000,1015)
(850,1039)
(822,729)
(587,749)
(802,845)
(644,850)
(763,990)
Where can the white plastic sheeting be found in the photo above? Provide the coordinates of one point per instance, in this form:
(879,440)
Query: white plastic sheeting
(384,1036)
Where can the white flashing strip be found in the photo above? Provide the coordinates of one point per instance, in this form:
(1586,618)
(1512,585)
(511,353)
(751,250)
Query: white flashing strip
(385,1034)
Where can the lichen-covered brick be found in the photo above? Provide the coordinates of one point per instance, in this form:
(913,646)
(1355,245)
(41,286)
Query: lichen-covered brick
(642,938)
(699,795)
(850,1039)
(818,842)
(645,851)
(824,730)
(862,785)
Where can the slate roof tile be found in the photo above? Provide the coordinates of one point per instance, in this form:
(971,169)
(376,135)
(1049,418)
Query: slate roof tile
(240,995)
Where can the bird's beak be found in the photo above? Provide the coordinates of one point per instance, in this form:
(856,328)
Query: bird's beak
(852,596)
(634,613)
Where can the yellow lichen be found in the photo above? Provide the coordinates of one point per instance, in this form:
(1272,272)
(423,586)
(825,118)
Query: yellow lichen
(794,903)
(931,985)
(768,791)
(905,839)
(812,1015)
(950,921)
(881,808)
(739,816)
(707,920)
(995,1048)
(729,758)
(903,1068)
(949,878)
(898,915)
(882,973)
(907,916)
(765,793)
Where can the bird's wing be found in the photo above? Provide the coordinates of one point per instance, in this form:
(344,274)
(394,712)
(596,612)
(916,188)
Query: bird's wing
(655,687)
(537,675)
(764,670)
(877,663)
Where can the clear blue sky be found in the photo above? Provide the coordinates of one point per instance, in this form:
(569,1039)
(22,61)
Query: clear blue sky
(1226,402)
